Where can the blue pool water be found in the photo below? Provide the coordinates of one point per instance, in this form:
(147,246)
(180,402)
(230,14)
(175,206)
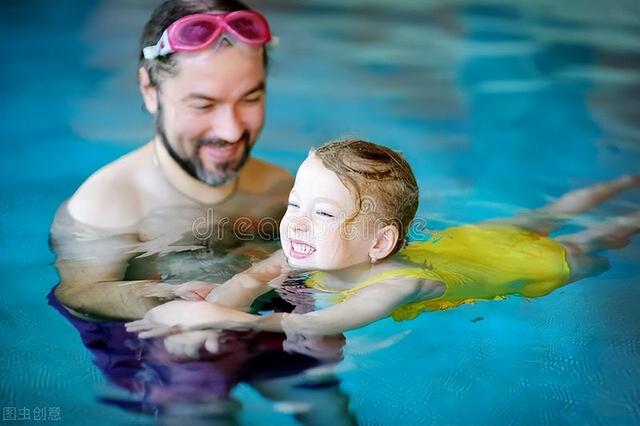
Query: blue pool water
(499,106)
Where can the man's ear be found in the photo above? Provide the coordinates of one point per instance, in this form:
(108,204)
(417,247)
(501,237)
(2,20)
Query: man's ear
(148,90)
(384,243)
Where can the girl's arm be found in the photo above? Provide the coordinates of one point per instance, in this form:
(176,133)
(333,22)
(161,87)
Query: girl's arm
(366,306)
(243,288)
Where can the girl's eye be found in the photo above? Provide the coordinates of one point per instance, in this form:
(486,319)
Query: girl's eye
(325,214)
(292,204)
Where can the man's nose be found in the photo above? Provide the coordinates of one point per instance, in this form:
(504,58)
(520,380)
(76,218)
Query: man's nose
(226,124)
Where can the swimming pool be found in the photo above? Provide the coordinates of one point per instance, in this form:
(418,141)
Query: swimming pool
(499,106)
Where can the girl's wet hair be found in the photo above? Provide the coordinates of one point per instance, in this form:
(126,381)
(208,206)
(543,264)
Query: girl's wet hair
(380,179)
(166,14)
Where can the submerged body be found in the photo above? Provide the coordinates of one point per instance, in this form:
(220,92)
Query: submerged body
(474,262)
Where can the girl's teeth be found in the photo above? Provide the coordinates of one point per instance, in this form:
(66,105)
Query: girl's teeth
(303,249)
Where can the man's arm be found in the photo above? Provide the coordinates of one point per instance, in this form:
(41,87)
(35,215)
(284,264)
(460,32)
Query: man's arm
(94,286)
(98,296)
(92,265)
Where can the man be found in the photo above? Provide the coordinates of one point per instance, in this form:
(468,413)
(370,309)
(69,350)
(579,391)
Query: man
(195,184)
(176,209)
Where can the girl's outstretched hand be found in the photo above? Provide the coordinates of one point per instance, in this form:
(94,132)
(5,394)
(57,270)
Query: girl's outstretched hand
(180,315)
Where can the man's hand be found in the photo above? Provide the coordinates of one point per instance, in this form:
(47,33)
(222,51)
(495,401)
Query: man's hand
(191,290)
(194,290)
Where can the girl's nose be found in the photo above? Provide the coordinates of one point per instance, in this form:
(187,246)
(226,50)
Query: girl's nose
(300,224)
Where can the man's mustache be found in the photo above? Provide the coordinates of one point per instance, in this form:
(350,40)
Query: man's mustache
(221,143)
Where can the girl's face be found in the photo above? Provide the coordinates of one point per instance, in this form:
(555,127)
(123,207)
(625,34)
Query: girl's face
(314,231)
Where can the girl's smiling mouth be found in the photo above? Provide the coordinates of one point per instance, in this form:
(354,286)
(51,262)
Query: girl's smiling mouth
(300,249)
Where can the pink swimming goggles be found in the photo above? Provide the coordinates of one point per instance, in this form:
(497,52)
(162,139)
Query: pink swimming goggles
(195,32)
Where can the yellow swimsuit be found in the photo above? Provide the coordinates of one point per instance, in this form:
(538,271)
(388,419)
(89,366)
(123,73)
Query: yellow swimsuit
(476,262)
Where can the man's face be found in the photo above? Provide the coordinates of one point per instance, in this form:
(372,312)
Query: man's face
(212,111)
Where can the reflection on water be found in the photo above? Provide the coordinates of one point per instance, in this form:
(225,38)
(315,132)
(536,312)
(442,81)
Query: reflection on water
(160,384)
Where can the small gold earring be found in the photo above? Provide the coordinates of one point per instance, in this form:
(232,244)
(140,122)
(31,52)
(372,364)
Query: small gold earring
(373,259)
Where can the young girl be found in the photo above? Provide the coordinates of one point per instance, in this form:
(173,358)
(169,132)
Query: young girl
(345,228)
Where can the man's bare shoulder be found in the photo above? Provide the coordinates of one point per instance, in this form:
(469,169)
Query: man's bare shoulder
(258,176)
(110,197)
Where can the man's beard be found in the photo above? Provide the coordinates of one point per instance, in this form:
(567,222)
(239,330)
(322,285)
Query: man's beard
(224,171)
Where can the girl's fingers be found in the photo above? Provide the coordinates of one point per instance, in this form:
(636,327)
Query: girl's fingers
(135,326)
(160,331)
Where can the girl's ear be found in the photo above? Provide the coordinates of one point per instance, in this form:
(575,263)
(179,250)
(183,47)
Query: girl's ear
(148,90)
(384,243)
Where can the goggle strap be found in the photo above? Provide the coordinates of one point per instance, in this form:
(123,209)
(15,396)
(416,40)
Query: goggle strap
(161,48)
(150,52)
(274,42)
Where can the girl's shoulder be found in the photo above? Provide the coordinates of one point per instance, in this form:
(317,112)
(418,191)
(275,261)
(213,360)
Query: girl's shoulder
(397,274)
(406,269)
